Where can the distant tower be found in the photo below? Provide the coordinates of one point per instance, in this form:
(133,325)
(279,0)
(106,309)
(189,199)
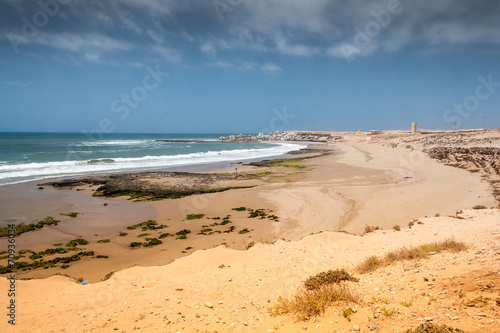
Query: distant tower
(413,128)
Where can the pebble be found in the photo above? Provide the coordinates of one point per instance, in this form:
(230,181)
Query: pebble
(356,328)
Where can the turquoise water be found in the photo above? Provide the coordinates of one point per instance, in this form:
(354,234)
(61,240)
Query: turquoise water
(34,156)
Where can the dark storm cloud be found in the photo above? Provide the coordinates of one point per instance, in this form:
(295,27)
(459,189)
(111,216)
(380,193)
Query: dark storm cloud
(91,28)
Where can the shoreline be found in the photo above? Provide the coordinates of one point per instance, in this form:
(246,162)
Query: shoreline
(359,185)
(304,203)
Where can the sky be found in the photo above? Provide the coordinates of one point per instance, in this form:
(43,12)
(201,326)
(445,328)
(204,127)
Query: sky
(248,66)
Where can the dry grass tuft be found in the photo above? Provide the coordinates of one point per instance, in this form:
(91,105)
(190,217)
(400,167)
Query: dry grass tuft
(329,277)
(371,228)
(479,207)
(417,252)
(396,228)
(309,303)
(433,328)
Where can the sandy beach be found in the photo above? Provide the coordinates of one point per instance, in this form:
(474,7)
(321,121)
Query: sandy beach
(313,218)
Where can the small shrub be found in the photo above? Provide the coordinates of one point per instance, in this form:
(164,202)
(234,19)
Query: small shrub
(75,242)
(396,228)
(243,231)
(123,234)
(329,277)
(194,216)
(346,313)
(165,235)
(103,241)
(411,223)
(257,213)
(387,312)
(152,242)
(370,228)
(182,237)
(407,304)
(71,214)
(183,232)
(135,244)
(433,328)
(240,209)
(479,207)
(309,303)
(417,252)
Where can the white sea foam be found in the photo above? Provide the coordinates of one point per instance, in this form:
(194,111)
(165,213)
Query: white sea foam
(33,171)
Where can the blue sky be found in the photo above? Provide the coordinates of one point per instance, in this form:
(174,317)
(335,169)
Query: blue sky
(246,66)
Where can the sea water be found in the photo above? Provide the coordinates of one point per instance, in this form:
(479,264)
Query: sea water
(34,156)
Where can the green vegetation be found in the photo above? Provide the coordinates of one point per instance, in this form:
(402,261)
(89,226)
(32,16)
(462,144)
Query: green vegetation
(21,228)
(387,312)
(240,209)
(148,225)
(123,234)
(244,231)
(417,252)
(407,304)
(70,214)
(194,216)
(144,235)
(346,313)
(100,256)
(152,242)
(183,232)
(257,213)
(135,244)
(23,266)
(103,241)
(160,194)
(231,229)
(75,242)
(165,235)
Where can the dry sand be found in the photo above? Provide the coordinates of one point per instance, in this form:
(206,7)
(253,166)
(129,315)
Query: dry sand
(360,184)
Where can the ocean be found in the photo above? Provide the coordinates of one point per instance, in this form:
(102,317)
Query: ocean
(35,156)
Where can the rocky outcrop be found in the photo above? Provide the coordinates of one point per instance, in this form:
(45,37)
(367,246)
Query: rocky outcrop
(484,158)
(153,185)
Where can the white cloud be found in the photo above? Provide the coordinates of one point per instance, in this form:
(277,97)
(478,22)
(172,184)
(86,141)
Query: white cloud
(77,43)
(225,64)
(209,48)
(270,68)
(248,66)
(167,53)
(135,64)
(156,36)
